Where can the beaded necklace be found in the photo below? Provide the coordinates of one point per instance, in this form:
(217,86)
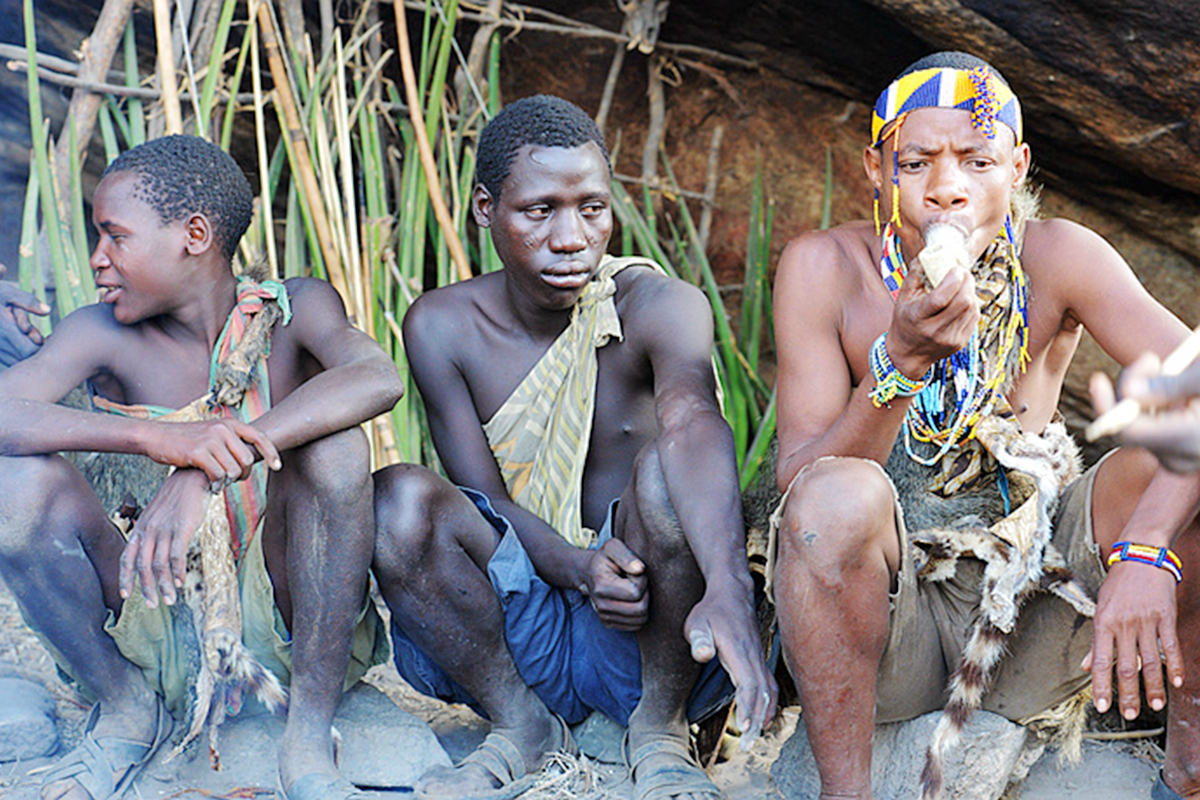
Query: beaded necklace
(963,388)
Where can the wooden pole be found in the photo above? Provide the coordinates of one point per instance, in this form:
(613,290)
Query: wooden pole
(98,53)
(295,132)
(166,67)
(457,254)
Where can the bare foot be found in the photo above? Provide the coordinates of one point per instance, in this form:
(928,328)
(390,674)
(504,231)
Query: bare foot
(304,751)
(123,721)
(510,751)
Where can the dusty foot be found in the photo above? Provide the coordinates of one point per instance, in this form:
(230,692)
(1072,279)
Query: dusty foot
(129,719)
(660,755)
(532,740)
(305,752)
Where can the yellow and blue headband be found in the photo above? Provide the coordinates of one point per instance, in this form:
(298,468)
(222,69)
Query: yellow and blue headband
(976,90)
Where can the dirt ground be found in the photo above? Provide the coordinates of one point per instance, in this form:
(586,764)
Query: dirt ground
(1110,770)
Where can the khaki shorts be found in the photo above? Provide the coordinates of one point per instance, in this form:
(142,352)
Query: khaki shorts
(931,621)
(162,642)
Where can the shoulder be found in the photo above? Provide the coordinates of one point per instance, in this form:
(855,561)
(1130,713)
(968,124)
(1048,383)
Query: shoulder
(1071,259)
(448,305)
(314,293)
(1061,241)
(830,255)
(440,317)
(646,297)
(93,325)
(823,268)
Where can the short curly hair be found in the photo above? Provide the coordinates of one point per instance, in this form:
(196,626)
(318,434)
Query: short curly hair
(953,59)
(181,175)
(542,120)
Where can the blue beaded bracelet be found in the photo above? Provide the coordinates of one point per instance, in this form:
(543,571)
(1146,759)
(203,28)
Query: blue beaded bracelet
(890,382)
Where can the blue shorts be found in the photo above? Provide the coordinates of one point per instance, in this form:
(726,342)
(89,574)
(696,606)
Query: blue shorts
(562,650)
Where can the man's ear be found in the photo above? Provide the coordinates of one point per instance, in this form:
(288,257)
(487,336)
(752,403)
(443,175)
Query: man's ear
(200,235)
(873,165)
(1022,157)
(481,206)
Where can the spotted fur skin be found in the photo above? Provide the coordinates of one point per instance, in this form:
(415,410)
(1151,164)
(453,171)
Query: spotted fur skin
(226,669)
(1020,563)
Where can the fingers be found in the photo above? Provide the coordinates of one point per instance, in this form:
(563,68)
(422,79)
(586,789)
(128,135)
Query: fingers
(222,452)
(1098,661)
(619,553)
(1171,653)
(128,560)
(1152,673)
(702,643)
(1104,396)
(27,303)
(735,642)
(164,581)
(621,615)
(1129,667)
(262,443)
(138,559)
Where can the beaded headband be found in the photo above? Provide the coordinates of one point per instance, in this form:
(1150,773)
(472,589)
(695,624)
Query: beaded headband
(976,90)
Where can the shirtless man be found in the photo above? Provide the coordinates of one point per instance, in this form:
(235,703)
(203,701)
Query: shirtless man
(844,579)
(169,215)
(531,616)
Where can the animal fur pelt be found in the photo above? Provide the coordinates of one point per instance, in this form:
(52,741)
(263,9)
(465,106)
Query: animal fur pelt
(1020,562)
(226,669)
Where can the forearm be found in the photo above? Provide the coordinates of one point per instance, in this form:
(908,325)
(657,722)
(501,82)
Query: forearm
(29,427)
(1169,503)
(861,431)
(557,561)
(700,473)
(332,401)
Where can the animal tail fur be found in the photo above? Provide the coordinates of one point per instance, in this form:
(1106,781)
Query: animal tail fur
(236,665)
(968,686)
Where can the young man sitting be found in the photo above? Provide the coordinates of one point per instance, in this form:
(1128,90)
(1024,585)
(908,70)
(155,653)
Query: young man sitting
(170,214)
(597,558)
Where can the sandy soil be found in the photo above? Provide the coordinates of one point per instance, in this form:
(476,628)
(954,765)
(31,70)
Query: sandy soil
(1110,771)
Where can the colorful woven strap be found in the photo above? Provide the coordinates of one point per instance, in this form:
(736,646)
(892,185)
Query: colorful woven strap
(890,382)
(1159,557)
(975,90)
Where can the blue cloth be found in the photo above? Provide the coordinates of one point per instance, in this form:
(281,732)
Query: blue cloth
(562,650)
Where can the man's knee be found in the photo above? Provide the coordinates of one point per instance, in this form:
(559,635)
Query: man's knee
(408,499)
(36,493)
(654,507)
(335,468)
(837,510)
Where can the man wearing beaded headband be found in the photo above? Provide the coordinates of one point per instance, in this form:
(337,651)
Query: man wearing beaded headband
(932,405)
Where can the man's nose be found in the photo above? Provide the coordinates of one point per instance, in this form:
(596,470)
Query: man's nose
(99,259)
(947,187)
(566,233)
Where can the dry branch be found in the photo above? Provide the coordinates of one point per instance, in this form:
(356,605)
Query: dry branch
(166,67)
(571,28)
(98,52)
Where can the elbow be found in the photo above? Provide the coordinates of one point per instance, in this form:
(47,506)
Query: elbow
(377,383)
(390,387)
